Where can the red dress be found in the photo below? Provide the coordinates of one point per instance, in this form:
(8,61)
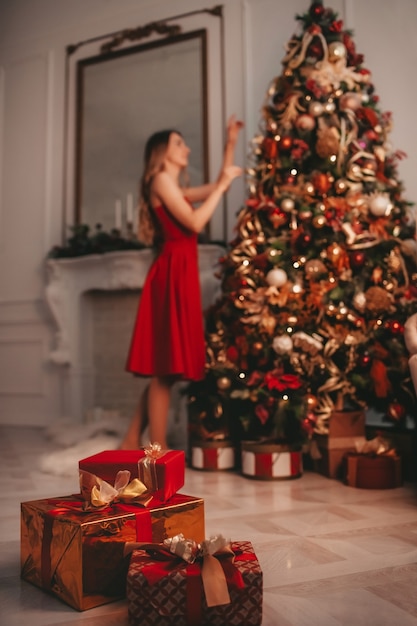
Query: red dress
(168,336)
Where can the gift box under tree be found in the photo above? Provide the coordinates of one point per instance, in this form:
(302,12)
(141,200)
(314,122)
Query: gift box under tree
(168,591)
(346,431)
(79,557)
(162,471)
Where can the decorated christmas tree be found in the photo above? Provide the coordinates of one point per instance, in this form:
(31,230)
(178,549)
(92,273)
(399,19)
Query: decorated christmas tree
(321,276)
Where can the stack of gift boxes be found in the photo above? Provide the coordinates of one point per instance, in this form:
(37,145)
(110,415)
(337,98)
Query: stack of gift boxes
(130,532)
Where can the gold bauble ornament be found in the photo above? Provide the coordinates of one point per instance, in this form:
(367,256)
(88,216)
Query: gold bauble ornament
(311,401)
(305,122)
(337,51)
(223,383)
(333,252)
(341,185)
(319,221)
(257,347)
(273,254)
(409,247)
(314,268)
(218,410)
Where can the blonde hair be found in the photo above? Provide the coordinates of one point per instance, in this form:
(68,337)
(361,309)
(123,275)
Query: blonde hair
(155,149)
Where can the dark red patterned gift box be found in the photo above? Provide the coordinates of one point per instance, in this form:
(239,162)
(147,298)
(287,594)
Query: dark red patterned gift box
(168,593)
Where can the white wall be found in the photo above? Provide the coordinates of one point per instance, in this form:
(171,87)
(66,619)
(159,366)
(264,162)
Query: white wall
(33,38)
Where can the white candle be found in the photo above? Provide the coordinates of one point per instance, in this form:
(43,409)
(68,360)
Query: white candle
(118,214)
(129,208)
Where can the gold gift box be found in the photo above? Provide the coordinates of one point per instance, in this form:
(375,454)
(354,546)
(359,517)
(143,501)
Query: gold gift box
(79,557)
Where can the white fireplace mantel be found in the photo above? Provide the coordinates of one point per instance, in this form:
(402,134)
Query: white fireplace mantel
(68,279)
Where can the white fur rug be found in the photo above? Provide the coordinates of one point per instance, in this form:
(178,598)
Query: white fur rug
(74,442)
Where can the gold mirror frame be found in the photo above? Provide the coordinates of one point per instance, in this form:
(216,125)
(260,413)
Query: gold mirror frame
(122,96)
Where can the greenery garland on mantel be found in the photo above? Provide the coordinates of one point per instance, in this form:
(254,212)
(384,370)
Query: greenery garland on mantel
(83,242)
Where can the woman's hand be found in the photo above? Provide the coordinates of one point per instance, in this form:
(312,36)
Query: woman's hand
(228,174)
(234,126)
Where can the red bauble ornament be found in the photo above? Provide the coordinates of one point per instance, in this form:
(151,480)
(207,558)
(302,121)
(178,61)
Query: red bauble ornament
(395,327)
(321,182)
(316,9)
(277,217)
(364,360)
(303,241)
(396,411)
(286,142)
(357,259)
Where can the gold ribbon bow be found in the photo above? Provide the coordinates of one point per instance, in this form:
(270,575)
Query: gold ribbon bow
(99,494)
(214,580)
(146,466)
(212,574)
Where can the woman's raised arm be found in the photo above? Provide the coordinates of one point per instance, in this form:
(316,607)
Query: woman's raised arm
(171,196)
(201,192)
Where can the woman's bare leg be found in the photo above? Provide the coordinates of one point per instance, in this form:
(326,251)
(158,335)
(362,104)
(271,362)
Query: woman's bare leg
(131,440)
(158,407)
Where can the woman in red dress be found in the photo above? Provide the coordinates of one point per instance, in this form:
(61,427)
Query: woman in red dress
(168,338)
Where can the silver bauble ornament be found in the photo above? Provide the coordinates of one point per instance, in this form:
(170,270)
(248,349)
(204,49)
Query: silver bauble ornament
(380,204)
(287,204)
(305,122)
(276,277)
(359,301)
(282,344)
(350,101)
(315,108)
(330,106)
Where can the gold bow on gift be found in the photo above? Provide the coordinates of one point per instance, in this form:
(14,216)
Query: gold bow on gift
(146,466)
(99,494)
(212,573)
(153,450)
(378,446)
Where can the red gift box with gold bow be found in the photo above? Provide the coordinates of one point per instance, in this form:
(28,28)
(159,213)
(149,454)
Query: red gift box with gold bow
(74,546)
(220,588)
(162,471)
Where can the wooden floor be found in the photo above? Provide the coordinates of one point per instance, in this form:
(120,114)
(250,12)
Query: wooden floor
(331,555)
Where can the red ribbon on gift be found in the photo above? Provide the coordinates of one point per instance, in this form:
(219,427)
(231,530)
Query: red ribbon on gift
(210,458)
(264,463)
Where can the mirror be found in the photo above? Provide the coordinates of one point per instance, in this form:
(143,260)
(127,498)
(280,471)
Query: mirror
(122,97)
